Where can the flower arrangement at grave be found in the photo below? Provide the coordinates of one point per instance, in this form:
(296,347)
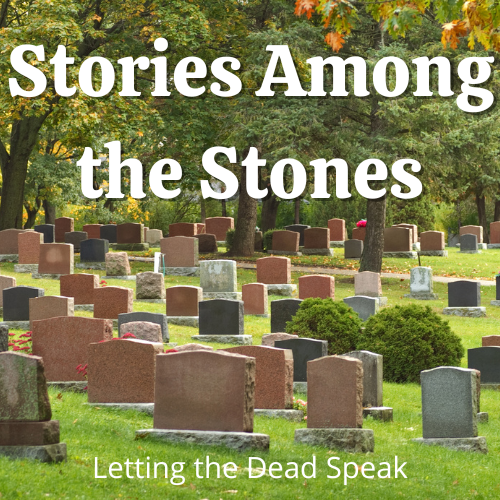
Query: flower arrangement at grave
(300,404)
(103,283)
(361,223)
(170,350)
(23,343)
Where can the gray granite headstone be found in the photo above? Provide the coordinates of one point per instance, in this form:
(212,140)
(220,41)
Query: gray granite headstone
(282,311)
(4,338)
(48,231)
(218,276)
(464,294)
(353,249)
(364,306)
(221,317)
(108,232)
(298,228)
(16,302)
(158,318)
(94,250)
(421,280)
(468,243)
(75,238)
(304,350)
(449,402)
(453,240)
(487,361)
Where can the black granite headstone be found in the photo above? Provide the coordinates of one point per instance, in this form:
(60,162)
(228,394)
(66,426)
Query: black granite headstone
(468,243)
(48,231)
(464,294)
(75,238)
(207,243)
(94,250)
(353,249)
(4,338)
(281,312)
(298,228)
(108,232)
(16,302)
(487,361)
(497,280)
(157,318)
(304,350)
(221,317)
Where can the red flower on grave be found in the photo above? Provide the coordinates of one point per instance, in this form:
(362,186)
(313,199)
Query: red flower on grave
(11,334)
(361,223)
(170,350)
(129,336)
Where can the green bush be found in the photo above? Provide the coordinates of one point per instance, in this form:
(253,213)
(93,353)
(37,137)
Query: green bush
(229,239)
(411,338)
(267,239)
(324,319)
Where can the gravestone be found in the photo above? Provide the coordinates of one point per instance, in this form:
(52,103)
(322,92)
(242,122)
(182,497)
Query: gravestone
(75,238)
(254,296)
(368,284)
(48,231)
(200,228)
(304,350)
(207,243)
(353,249)
(5,282)
(490,341)
(193,347)
(298,228)
(130,232)
(111,301)
(282,311)
(421,285)
(150,287)
(80,287)
(337,229)
(432,244)
(108,232)
(464,299)
(285,243)
(413,228)
(317,241)
(359,233)
(182,229)
(316,286)
(94,250)
(477,230)
(398,243)
(364,306)
(275,272)
(269,339)
(63,344)
(55,259)
(8,244)
(16,305)
(496,302)
(50,306)
(180,255)
(221,317)
(258,242)
(107,359)
(142,330)
(153,237)
(63,225)
(468,243)
(218,279)
(494,235)
(219,226)
(183,300)
(93,230)
(157,318)
(487,361)
(29,247)
(117,264)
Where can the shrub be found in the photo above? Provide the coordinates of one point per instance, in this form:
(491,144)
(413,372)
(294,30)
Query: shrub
(411,338)
(229,239)
(267,239)
(324,319)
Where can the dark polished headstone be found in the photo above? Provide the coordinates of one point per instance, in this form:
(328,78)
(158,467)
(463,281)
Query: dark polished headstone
(487,361)
(353,249)
(207,243)
(468,243)
(464,294)
(48,231)
(157,318)
(282,311)
(221,317)
(94,250)
(108,232)
(75,238)
(298,228)
(16,302)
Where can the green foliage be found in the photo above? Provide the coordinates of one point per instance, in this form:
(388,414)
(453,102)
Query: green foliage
(230,239)
(419,211)
(324,319)
(267,239)
(411,338)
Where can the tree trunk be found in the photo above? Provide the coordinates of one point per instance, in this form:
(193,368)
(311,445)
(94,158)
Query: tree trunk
(32,213)
(496,217)
(244,234)
(481,212)
(270,206)
(50,212)
(297,211)
(203,210)
(373,249)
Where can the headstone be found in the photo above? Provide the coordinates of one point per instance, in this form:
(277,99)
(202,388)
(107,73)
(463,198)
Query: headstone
(8,241)
(117,264)
(468,243)
(56,258)
(6,282)
(221,317)
(353,249)
(337,229)
(50,306)
(258,242)
(183,300)
(79,286)
(48,231)
(316,237)
(285,241)
(421,285)
(413,228)
(432,241)
(107,359)
(218,277)
(207,243)
(145,230)
(193,347)
(359,233)
(274,270)
(63,344)
(477,230)
(487,361)
(298,228)
(93,230)
(254,296)
(283,311)
(180,251)
(75,238)
(182,402)
(490,341)
(29,247)
(464,294)
(94,250)
(157,318)
(142,330)
(130,232)
(153,236)
(316,286)
(110,301)
(182,229)
(150,286)
(368,284)
(373,374)
(269,339)
(63,225)
(364,306)
(273,375)
(304,350)
(200,228)
(219,226)
(397,239)
(16,305)
(495,233)
(108,232)
(453,240)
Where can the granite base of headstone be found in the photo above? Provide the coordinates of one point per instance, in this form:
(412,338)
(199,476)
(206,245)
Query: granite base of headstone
(400,255)
(180,271)
(318,251)
(26,268)
(131,247)
(471,444)
(70,386)
(291,415)
(434,253)
(192,321)
(124,278)
(147,408)
(493,246)
(283,290)
(348,440)
(224,339)
(97,266)
(39,276)
(222,295)
(300,387)
(284,252)
(466,312)
(84,307)
(337,244)
(9,257)
(382,413)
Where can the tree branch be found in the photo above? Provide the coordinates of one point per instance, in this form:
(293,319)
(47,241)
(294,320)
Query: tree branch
(3,13)
(4,156)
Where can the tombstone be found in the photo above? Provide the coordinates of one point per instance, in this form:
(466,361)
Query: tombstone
(107,359)
(368,284)
(269,339)
(298,228)
(29,247)
(200,228)
(218,279)
(63,343)
(464,299)
(145,230)
(221,317)
(79,286)
(432,241)
(50,306)
(337,229)
(421,284)
(449,409)
(56,259)
(16,305)
(274,270)
(94,250)
(285,242)
(495,233)
(5,282)
(180,252)
(364,306)
(258,242)
(150,286)
(207,243)
(353,249)
(48,231)
(486,360)
(283,311)
(477,230)
(63,225)
(413,229)
(193,347)
(93,230)
(157,318)
(397,239)
(8,243)
(183,300)
(317,241)
(490,341)
(304,350)
(142,330)
(182,229)
(219,226)
(273,375)
(108,232)
(316,286)
(117,264)
(26,428)
(254,296)
(130,232)
(153,237)
(359,233)
(75,238)
(468,243)
(111,301)
(4,337)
